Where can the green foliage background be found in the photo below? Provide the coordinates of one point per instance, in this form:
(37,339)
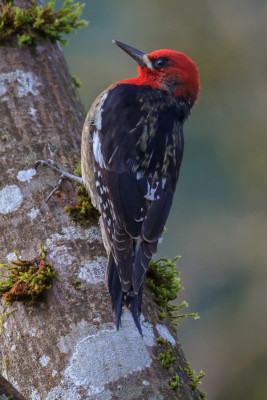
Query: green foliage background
(218,219)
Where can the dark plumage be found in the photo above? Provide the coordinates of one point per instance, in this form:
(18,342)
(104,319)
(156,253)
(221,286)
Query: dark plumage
(131,155)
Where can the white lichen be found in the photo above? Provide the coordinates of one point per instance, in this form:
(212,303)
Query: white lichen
(73,233)
(61,255)
(10,199)
(145,383)
(11,256)
(33,213)
(102,357)
(93,271)
(26,175)
(19,83)
(32,112)
(35,395)
(44,360)
(165,334)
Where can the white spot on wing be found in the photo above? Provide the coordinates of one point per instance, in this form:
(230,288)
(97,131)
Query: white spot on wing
(98,114)
(151,192)
(139,175)
(97,150)
(139,220)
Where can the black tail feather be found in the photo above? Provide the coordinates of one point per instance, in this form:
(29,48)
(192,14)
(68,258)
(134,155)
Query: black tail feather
(135,302)
(118,297)
(115,290)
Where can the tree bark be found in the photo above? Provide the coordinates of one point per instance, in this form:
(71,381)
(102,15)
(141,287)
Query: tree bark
(65,346)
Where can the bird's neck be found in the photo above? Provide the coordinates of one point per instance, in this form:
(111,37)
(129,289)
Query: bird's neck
(140,80)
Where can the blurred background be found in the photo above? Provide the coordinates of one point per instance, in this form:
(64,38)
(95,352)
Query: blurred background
(218,219)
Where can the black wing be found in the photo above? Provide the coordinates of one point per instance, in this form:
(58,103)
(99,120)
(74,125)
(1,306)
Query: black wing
(138,147)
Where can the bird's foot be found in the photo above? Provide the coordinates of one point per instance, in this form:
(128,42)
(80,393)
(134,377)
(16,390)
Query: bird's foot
(63,175)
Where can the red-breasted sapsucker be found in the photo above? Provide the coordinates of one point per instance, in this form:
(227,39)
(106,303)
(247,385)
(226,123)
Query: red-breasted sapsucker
(132,148)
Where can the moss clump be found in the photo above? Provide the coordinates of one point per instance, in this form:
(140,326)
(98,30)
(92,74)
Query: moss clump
(4,316)
(164,282)
(31,24)
(76,82)
(26,280)
(167,358)
(5,362)
(195,380)
(77,284)
(161,341)
(82,211)
(174,382)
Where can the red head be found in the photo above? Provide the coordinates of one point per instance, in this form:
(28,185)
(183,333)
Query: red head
(166,70)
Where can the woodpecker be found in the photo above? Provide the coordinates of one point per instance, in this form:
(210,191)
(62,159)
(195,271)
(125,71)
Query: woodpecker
(132,149)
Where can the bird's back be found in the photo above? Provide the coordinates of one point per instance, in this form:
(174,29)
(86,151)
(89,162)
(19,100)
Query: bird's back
(131,154)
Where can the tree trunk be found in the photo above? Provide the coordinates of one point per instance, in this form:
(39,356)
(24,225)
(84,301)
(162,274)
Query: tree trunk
(65,346)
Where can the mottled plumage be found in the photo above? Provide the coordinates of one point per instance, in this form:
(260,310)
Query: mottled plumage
(132,148)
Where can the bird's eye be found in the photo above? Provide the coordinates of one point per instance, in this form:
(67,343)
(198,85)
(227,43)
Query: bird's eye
(160,62)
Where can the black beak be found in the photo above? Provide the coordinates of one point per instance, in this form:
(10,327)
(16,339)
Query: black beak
(137,55)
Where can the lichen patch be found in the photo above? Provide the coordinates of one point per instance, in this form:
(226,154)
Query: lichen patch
(61,255)
(26,175)
(44,360)
(165,334)
(10,199)
(33,213)
(91,365)
(74,233)
(93,271)
(35,395)
(18,82)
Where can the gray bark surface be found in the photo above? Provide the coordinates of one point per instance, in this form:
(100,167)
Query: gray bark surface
(65,346)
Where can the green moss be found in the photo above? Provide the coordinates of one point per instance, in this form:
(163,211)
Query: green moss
(34,23)
(5,362)
(11,397)
(26,280)
(164,282)
(1,324)
(76,81)
(174,382)
(195,380)
(167,358)
(82,211)
(76,284)
(3,138)
(162,315)
(161,341)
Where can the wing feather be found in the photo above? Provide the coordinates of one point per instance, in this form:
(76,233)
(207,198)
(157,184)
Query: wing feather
(138,146)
